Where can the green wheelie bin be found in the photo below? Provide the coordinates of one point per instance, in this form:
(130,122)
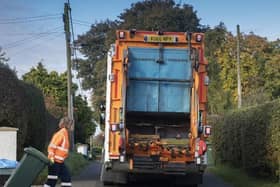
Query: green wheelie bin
(30,165)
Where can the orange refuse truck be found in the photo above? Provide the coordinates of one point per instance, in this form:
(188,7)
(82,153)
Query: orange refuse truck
(155,112)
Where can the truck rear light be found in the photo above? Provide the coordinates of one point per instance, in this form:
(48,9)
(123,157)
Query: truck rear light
(121,34)
(198,38)
(132,33)
(207,130)
(202,147)
(114,127)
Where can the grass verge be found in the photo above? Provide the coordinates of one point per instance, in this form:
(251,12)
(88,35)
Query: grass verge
(239,178)
(75,163)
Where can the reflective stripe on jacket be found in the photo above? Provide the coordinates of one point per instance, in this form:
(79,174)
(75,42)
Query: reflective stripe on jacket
(59,146)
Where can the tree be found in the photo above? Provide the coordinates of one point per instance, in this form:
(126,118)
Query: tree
(52,84)
(160,15)
(272,70)
(84,126)
(22,106)
(253,59)
(94,45)
(54,88)
(3,59)
(219,99)
(149,15)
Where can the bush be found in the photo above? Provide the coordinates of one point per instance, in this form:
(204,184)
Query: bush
(250,138)
(22,106)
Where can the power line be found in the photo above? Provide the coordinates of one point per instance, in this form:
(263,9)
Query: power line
(85,22)
(30,33)
(32,17)
(22,41)
(31,39)
(36,45)
(28,21)
(82,24)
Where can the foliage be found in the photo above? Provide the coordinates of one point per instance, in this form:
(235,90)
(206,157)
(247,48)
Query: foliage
(54,88)
(249,138)
(272,70)
(3,58)
(22,106)
(218,97)
(52,84)
(150,15)
(84,127)
(37,122)
(160,15)
(75,162)
(259,66)
(238,177)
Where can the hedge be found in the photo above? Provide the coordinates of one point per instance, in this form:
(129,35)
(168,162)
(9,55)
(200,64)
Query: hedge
(22,106)
(249,138)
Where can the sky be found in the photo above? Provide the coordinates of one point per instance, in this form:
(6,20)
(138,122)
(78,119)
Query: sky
(27,42)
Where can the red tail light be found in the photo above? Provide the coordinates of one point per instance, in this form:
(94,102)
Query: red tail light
(202,147)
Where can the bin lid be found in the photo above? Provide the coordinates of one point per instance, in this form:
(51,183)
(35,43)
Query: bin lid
(34,152)
(8,129)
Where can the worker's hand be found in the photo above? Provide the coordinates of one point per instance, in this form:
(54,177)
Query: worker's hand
(52,160)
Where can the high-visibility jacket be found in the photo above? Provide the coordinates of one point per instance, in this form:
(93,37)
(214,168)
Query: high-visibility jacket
(59,146)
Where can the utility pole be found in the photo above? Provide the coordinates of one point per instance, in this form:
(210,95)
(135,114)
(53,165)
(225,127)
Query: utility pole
(239,88)
(69,74)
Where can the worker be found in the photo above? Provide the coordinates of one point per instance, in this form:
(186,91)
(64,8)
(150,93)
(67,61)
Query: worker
(57,153)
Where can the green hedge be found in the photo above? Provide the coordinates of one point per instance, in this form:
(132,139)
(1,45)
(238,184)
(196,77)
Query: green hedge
(22,106)
(250,139)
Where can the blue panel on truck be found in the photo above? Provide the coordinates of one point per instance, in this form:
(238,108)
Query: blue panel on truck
(142,96)
(159,80)
(176,64)
(143,63)
(174,97)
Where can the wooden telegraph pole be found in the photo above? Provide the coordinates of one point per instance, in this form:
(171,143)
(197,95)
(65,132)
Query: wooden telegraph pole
(69,74)
(239,88)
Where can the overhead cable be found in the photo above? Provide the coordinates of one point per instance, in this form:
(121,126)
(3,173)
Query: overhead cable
(29,20)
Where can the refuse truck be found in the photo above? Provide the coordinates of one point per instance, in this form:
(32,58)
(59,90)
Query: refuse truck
(156,107)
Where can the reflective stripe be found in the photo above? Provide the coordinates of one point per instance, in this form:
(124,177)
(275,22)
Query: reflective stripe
(66,184)
(62,149)
(64,141)
(59,147)
(59,157)
(52,177)
(52,146)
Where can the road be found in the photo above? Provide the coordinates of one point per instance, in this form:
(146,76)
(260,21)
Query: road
(89,177)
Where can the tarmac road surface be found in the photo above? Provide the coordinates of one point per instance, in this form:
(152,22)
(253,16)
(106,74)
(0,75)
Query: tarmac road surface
(89,177)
